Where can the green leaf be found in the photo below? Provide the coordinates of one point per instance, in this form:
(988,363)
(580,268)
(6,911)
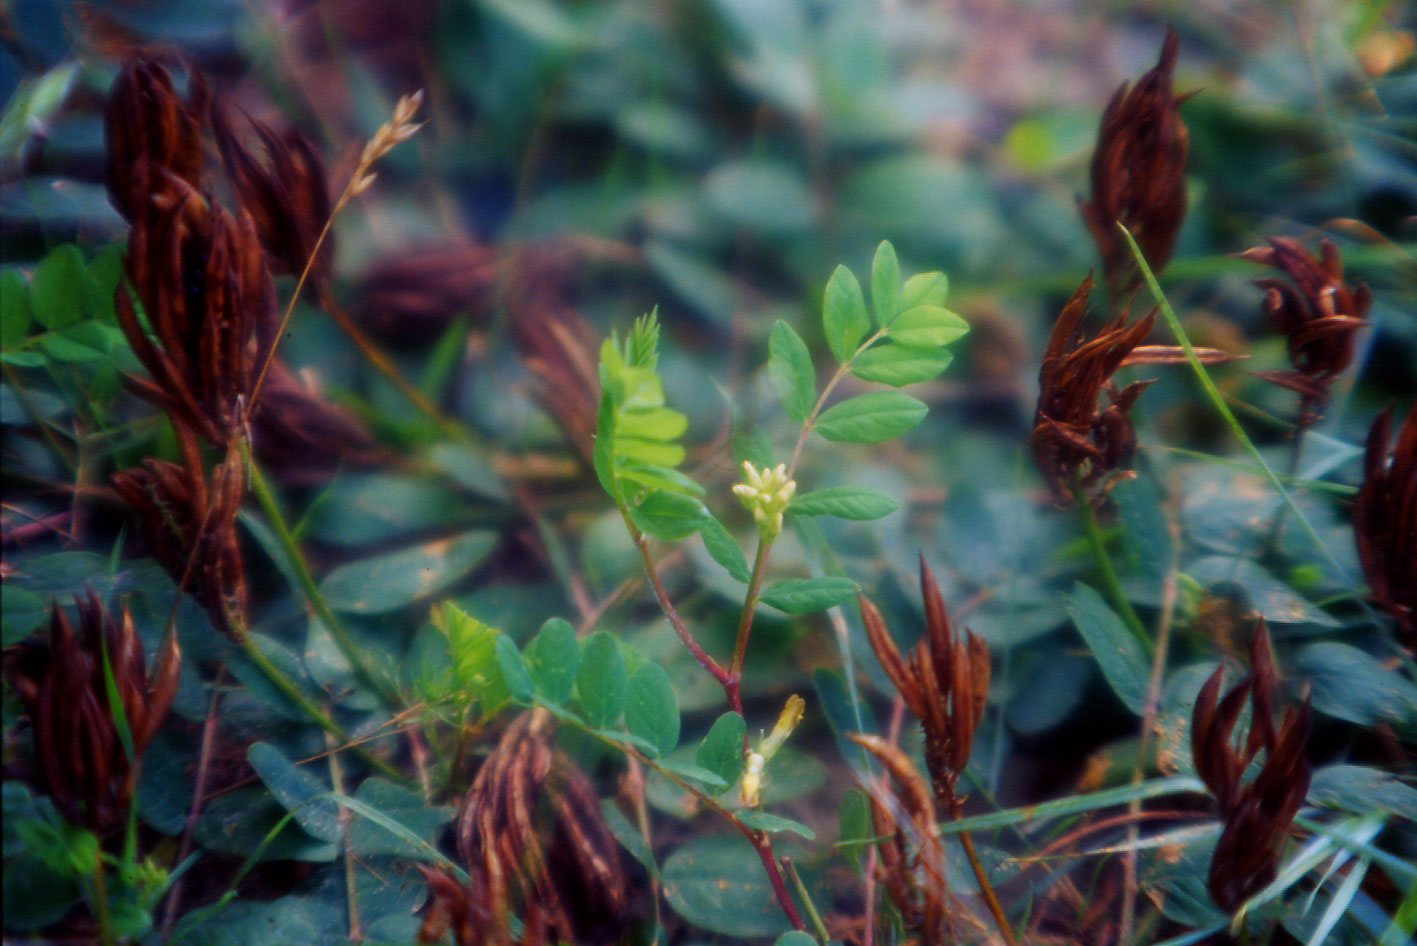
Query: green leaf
(601,681)
(721,752)
(393,580)
(871,418)
(927,325)
(924,289)
(298,792)
(767,821)
(669,516)
(1123,661)
(1352,685)
(694,773)
(791,370)
(715,883)
(553,657)
(628,835)
(57,287)
(22,611)
(844,317)
(724,549)
(14,307)
(805,595)
(795,938)
(899,365)
(844,502)
(885,284)
(651,709)
(854,815)
(473,648)
(513,670)
(399,805)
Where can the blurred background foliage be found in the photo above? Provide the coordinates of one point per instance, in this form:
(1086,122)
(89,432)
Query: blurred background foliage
(718,158)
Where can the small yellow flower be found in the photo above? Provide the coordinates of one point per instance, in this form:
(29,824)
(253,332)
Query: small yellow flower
(766,494)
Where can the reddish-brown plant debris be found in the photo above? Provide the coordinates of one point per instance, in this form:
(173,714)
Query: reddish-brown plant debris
(83,764)
(558,883)
(1385,522)
(1318,312)
(189,526)
(286,195)
(146,122)
(1256,816)
(411,297)
(202,282)
(1073,441)
(301,436)
(451,909)
(1138,173)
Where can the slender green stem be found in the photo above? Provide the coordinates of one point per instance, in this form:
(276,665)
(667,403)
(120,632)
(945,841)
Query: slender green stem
(991,899)
(308,587)
(351,886)
(745,625)
(1110,581)
(814,916)
(1218,401)
(100,896)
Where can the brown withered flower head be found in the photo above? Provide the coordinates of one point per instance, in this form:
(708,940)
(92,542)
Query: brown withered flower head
(1138,174)
(301,436)
(944,682)
(201,279)
(1385,522)
(189,526)
(83,765)
(412,297)
(559,882)
(1256,816)
(286,195)
(1073,440)
(1318,312)
(146,122)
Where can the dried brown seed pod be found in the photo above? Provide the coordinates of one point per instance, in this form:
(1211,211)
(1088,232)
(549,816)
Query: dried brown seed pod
(1138,173)
(1385,521)
(146,122)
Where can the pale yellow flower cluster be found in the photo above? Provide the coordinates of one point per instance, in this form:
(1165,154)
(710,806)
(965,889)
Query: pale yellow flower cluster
(766,494)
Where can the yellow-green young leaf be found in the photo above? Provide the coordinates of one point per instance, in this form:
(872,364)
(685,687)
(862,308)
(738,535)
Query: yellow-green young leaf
(724,549)
(899,365)
(805,595)
(656,423)
(471,643)
(57,287)
(791,370)
(669,516)
(926,325)
(643,452)
(924,289)
(553,657)
(601,680)
(844,318)
(870,418)
(1124,664)
(885,284)
(721,752)
(659,477)
(651,709)
(513,670)
(844,502)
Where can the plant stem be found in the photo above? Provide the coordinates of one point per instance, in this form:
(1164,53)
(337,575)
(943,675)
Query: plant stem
(351,886)
(100,895)
(987,889)
(667,606)
(733,685)
(1104,565)
(813,915)
(194,810)
(308,588)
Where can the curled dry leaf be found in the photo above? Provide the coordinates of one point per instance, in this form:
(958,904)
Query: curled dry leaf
(82,760)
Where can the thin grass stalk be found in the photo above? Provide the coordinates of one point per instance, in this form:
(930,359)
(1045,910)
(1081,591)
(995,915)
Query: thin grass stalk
(194,810)
(991,899)
(1110,581)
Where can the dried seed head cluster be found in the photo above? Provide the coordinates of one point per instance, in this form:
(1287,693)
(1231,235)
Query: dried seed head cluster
(1072,440)
(411,297)
(558,884)
(1257,816)
(1138,173)
(302,437)
(83,763)
(400,127)
(1385,522)
(146,121)
(1318,312)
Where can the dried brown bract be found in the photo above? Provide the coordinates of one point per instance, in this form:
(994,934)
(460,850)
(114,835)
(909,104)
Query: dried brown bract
(301,436)
(411,297)
(202,282)
(83,764)
(559,882)
(1385,522)
(286,195)
(1138,173)
(189,526)
(146,122)
(1256,816)
(1072,440)
(452,908)
(1318,312)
